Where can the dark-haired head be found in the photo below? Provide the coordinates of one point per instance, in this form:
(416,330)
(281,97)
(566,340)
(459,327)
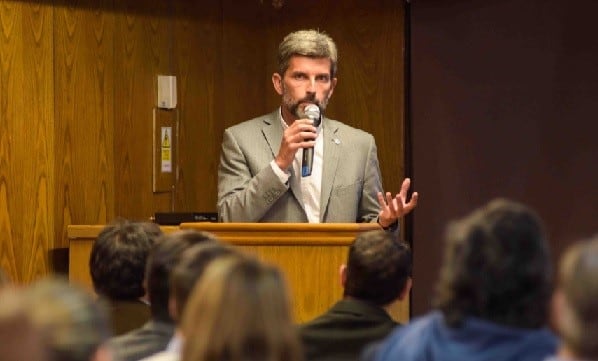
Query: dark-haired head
(189,270)
(164,256)
(378,268)
(118,258)
(496,267)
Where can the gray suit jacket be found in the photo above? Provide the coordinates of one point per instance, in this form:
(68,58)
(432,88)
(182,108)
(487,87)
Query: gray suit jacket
(250,191)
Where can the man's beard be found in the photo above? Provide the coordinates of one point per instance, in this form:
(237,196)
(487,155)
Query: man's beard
(293,106)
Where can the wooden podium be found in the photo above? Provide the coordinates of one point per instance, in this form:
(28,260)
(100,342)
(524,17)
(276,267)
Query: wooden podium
(309,255)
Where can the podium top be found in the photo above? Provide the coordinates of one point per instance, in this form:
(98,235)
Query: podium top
(257,233)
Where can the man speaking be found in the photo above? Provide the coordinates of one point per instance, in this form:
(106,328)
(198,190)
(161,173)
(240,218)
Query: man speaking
(296,165)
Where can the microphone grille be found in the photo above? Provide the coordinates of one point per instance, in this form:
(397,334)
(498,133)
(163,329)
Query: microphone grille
(312,111)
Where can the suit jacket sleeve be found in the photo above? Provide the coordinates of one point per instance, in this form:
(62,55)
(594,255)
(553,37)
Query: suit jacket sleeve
(369,206)
(242,195)
(372,184)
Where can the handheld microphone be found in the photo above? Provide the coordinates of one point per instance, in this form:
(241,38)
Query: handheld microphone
(312,112)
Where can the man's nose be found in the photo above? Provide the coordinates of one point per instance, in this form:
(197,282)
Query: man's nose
(311,85)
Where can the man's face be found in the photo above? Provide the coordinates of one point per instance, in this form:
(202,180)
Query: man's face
(306,81)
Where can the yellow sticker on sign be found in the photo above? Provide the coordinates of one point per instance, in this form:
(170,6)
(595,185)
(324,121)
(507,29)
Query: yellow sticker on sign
(166,150)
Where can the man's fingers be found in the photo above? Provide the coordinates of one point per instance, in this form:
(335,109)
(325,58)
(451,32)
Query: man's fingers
(307,135)
(385,198)
(405,188)
(397,206)
(381,200)
(412,202)
(389,199)
(303,125)
(300,140)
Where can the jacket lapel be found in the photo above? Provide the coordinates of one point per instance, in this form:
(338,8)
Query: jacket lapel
(272,131)
(332,146)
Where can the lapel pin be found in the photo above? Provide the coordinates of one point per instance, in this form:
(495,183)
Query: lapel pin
(336,141)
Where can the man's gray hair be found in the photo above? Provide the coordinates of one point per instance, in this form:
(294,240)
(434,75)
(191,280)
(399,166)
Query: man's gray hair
(311,43)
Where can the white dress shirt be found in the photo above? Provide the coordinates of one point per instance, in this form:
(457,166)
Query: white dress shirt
(310,186)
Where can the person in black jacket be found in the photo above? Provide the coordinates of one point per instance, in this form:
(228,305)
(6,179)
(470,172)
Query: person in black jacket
(377,273)
(155,334)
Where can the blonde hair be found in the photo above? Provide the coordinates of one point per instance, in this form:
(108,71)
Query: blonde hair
(578,280)
(239,310)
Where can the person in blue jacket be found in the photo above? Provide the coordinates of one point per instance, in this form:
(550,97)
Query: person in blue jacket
(492,296)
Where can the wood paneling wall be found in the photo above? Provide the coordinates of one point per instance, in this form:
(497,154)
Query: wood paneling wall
(78,90)
(503,105)
(142,43)
(27,143)
(84,82)
(197,55)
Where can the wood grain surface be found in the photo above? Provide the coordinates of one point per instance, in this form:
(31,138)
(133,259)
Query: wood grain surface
(78,88)
(26,139)
(309,256)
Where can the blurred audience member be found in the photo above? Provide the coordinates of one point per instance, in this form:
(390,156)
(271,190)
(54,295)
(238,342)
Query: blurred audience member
(74,325)
(377,273)
(154,335)
(117,266)
(184,277)
(575,302)
(20,340)
(492,295)
(238,311)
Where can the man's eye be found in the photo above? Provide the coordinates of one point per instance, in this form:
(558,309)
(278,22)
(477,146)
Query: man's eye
(323,78)
(300,76)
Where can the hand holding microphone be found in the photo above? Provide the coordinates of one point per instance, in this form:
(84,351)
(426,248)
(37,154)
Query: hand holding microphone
(300,134)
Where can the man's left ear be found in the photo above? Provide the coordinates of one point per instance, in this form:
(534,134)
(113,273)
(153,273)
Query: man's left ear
(172,308)
(405,291)
(332,86)
(342,274)
(277,83)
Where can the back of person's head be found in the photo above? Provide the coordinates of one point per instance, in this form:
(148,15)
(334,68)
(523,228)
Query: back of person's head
(74,325)
(310,43)
(118,260)
(378,268)
(577,319)
(163,257)
(239,310)
(152,230)
(496,267)
(20,340)
(189,269)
